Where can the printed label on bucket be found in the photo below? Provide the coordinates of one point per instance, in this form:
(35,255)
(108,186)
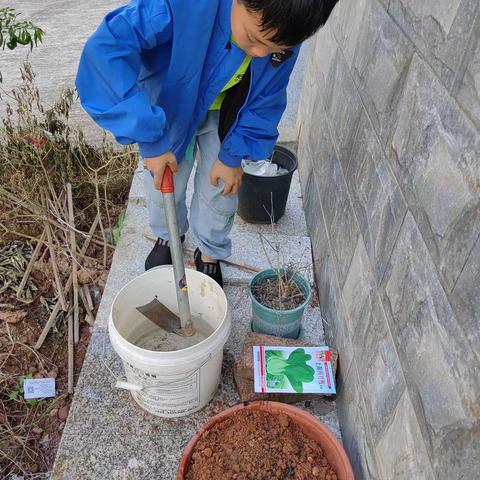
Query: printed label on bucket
(179,395)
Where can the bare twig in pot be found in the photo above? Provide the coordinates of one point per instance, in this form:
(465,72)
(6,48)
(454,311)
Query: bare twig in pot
(282,291)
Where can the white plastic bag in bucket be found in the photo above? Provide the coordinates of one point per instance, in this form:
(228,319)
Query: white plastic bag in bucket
(173,383)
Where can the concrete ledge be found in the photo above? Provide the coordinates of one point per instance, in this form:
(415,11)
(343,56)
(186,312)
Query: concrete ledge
(106,435)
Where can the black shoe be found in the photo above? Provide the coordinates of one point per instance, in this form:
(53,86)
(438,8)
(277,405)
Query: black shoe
(212,269)
(160,254)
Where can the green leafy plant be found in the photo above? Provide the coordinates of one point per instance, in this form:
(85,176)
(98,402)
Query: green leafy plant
(294,369)
(14,32)
(17,392)
(119,227)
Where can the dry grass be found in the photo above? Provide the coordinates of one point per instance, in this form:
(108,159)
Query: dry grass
(40,154)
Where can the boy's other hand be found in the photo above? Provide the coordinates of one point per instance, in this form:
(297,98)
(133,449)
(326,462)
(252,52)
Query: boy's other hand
(157,165)
(231,177)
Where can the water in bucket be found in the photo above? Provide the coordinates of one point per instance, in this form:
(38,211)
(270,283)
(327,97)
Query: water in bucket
(159,340)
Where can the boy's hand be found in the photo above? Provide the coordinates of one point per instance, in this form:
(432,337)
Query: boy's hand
(231,177)
(157,166)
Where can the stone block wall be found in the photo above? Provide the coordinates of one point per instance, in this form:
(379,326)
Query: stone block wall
(389,152)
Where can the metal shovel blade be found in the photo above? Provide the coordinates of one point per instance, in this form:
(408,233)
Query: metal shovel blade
(161,316)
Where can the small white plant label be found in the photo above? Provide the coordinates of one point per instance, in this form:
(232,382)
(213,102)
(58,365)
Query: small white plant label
(38,388)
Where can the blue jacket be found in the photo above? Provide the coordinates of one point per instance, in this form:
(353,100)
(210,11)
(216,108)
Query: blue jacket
(153,68)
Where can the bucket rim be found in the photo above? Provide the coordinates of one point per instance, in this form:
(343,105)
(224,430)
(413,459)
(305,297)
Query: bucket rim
(272,272)
(171,355)
(285,151)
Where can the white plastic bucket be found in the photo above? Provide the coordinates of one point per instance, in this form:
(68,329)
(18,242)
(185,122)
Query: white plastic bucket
(177,383)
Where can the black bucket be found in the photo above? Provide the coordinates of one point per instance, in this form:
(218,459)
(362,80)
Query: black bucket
(262,197)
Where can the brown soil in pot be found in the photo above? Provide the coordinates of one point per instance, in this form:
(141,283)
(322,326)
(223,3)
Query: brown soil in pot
(256,445)
(278,293)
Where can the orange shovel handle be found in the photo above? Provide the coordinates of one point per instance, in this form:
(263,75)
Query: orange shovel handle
(167,181)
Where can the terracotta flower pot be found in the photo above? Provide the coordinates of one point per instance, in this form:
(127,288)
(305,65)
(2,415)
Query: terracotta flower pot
(309,425)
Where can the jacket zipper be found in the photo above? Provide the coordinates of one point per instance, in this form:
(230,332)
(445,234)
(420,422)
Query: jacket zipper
(213,70)
(234,124)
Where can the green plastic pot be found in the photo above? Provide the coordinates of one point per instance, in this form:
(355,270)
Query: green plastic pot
(281,323)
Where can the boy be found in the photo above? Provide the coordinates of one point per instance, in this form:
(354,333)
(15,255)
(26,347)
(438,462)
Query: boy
(172,75)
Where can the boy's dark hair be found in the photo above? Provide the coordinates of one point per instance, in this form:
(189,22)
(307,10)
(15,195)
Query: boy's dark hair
(291,21)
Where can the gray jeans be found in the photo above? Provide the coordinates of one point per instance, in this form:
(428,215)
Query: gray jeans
(211,213)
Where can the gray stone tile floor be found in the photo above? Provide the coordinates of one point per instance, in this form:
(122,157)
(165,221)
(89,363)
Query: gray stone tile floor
(106,435)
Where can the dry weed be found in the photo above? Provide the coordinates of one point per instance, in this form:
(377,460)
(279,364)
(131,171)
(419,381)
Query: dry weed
(40,151)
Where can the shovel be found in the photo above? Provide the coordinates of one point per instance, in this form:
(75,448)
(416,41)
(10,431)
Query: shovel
(155,311)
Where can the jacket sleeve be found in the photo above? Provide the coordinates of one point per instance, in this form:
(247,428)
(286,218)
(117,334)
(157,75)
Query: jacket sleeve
(108,71)
(256,131)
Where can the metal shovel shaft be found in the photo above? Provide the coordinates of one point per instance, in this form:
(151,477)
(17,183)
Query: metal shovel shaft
(175,245)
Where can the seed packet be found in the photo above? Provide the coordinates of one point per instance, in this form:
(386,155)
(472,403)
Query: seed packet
(293,370)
